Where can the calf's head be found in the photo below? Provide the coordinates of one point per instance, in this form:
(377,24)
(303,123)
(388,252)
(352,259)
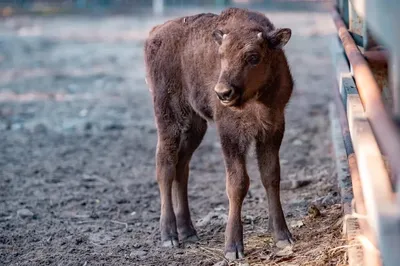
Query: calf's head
(247,61)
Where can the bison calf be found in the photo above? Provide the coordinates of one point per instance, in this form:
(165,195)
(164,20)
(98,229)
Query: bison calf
(230,69)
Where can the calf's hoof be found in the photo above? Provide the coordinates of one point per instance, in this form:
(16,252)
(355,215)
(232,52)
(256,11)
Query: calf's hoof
(284,238)
(234,251)
(190,239)
(170,243)
(187,233)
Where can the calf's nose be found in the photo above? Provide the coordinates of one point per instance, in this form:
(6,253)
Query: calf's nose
(224,93)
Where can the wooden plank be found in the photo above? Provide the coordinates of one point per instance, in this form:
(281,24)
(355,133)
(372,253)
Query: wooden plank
(355,251)
(351,228)
(342,168)
(382,212)
(359,7)
(381,15)
(344,76)
(356,25)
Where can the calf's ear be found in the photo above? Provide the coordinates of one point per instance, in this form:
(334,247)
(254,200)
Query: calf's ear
(278,38)
(218,36)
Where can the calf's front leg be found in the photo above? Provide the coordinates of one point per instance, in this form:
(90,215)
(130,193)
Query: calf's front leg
(267,149)
(237,185)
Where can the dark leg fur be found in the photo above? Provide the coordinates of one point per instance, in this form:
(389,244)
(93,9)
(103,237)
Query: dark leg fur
(190,140)
(237,185)
(268,159)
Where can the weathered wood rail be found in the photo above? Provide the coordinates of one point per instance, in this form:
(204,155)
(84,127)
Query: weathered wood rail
(367,61)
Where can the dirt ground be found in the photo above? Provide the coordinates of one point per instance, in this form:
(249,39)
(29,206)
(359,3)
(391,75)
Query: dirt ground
(77,142)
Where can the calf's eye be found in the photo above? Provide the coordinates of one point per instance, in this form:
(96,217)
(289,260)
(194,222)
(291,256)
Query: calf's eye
(253,59)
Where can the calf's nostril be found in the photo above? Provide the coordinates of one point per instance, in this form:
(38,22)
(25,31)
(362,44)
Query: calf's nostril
(225,95)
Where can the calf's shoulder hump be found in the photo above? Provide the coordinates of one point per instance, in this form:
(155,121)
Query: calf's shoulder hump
(178,28)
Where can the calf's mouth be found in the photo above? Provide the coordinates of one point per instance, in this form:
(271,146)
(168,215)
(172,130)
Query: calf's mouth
(232,102)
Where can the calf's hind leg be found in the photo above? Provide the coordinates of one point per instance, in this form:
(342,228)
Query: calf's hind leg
(190,140)
(166,161)
(267,149)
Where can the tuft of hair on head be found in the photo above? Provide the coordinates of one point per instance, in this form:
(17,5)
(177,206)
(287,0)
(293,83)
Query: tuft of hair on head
(219,36)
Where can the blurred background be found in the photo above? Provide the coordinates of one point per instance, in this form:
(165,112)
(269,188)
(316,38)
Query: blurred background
(157,6)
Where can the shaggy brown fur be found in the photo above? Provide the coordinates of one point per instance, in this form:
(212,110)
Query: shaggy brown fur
(230,69)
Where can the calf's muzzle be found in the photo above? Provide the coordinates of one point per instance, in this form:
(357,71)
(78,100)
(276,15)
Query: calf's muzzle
(226,94)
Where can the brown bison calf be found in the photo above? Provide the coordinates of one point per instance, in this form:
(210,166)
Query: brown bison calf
(230,69)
